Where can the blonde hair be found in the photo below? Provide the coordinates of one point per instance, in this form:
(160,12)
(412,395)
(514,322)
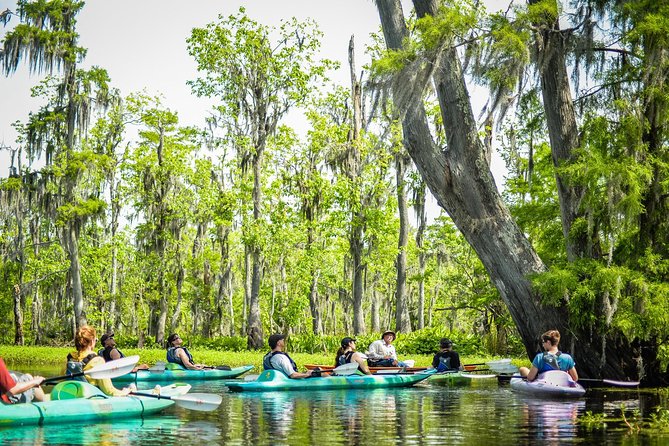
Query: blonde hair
(84,338)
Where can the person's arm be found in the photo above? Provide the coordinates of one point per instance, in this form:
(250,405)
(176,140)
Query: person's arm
(392,353)
(114,354)
(533,373)
(435,361)
(106,384)
(374,352)
(185,361)
(23,386)
(281,362)
(357,357)
(455,361)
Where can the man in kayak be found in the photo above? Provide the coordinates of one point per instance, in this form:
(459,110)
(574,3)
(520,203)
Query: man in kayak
(446,359)
(19,387)
(550,359)
(178,354)
(110,353)
(347,354)
(381,353)
(277,359)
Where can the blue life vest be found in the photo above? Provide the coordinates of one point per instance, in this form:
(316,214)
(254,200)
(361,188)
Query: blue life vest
(267,360)
(173,358)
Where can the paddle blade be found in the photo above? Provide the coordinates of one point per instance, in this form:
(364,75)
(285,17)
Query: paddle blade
(113,369)
(204,402)
(346,369)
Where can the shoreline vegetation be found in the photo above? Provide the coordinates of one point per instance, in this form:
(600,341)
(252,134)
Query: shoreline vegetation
(39,355)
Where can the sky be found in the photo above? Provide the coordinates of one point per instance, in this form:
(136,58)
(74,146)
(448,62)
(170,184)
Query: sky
(142,45)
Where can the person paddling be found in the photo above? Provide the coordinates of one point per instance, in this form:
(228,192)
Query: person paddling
(84,358)
(279,360)
(550,359)
(178,354)
(446,359)
(347,355)
(19,387)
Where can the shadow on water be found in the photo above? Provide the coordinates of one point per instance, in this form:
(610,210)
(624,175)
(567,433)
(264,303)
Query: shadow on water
(484,413)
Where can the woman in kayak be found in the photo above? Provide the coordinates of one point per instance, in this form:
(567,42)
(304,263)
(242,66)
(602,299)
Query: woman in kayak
(178,354)
(551,358)
(347,354)
(84,358)
(19,387)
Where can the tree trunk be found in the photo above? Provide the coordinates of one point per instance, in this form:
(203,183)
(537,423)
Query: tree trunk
(460,179)
(402,320)
(254,330)
(72,243)
(419,207)
(563,134)
(18,316)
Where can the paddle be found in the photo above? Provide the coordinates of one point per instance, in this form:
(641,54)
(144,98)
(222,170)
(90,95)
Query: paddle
(111,369)
(610,382)
(204,402)
(346,369)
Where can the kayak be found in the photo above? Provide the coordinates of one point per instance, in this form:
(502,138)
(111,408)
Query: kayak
(554,383)
(461,378)
(76,401)
(175,372)
(271,380)
(329,368)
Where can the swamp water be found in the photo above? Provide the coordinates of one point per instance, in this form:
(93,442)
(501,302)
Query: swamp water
(481,414)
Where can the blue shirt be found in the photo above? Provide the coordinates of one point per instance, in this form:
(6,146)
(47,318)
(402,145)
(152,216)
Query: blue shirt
(564,361)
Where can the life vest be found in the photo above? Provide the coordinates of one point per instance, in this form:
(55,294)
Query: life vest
(75,367)
(106,353)
(345,358)
(551,360)
(267,360)
(173,358)
(444,364)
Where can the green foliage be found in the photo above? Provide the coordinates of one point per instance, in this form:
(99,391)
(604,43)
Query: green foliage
(592,420)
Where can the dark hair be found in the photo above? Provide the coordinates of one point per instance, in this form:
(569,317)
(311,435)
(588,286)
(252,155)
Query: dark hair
(445,343)
(171,339)
(274,339)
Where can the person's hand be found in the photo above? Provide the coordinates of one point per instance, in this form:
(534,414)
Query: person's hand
(309,372)
(125,391)
(38,380)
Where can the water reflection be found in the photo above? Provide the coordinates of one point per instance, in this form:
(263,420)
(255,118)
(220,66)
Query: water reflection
(423,415)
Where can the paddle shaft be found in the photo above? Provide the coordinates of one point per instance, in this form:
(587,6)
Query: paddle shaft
(55,379)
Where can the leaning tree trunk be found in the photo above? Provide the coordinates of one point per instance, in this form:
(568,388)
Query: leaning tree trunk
(460,179)
(402,320)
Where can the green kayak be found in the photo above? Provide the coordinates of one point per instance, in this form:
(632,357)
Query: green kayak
(461,379)
(76,401)
(175,372)
(271,380)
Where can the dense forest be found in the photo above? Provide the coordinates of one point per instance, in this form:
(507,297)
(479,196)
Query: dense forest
(242,227)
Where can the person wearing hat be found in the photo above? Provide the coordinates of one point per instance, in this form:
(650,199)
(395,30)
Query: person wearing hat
(382,353)
(347,354)
(109,350)
(446,359)
(110,353)
(279,360)
(178,354)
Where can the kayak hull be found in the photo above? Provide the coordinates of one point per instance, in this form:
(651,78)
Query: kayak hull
(273,380)
(182,375)
(552,384)
(461,379)
(84,405)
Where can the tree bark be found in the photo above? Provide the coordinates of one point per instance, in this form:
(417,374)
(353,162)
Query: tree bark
(460,179)
(402,320)
(419,207)
(18,317)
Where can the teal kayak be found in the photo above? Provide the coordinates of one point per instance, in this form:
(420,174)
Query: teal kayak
(271,380)
(77,401)
(178,373)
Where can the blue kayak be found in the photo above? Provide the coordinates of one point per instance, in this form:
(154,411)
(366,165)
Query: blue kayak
(175,372)
(77,401)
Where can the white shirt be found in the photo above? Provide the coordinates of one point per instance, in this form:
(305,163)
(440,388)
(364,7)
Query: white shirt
(281,362)
(379,350)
